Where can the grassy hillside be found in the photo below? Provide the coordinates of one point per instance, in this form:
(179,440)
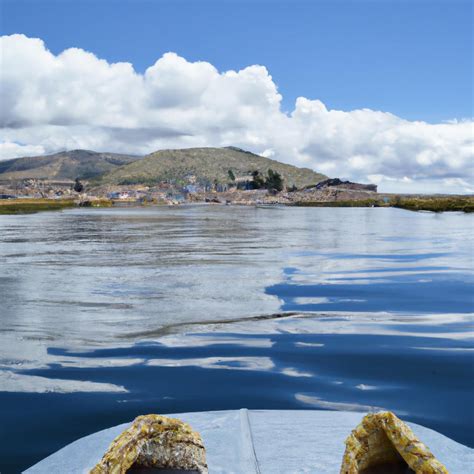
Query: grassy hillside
(208,165)
(67,165)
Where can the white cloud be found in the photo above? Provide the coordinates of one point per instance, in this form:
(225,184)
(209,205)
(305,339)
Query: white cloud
(75,100)
(13,150)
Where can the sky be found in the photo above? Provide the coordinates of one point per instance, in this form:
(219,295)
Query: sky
(375,91)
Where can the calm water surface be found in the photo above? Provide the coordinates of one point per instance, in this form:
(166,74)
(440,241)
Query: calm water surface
(110,313)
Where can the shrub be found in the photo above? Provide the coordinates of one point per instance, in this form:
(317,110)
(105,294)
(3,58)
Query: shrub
(78,186)
(274,181)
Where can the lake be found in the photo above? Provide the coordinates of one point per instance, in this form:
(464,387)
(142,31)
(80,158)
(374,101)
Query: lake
(106,314)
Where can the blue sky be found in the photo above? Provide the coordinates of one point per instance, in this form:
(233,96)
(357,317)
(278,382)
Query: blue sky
(411,58)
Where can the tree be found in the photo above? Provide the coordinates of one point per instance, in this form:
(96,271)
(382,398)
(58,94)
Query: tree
(78,186)
(231,175)
(258,181)
(274,181)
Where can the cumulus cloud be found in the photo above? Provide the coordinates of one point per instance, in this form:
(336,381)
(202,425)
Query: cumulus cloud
(76,100)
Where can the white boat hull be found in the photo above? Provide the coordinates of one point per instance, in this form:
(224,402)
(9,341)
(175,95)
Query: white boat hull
(261,441)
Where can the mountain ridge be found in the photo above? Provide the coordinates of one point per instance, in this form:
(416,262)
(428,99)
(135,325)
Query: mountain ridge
(206,165)
(63,165)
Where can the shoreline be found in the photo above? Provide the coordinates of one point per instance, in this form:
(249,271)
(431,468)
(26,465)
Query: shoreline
(426,203)
(430,203)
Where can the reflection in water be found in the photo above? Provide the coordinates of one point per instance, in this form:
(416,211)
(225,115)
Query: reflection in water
(413,292)
(103,311)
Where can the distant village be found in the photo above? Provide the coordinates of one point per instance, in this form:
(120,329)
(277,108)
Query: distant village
(32,195)
(253,188)
(248,189)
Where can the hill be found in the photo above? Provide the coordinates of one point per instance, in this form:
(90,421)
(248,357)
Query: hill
(67,165)
(207,165)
